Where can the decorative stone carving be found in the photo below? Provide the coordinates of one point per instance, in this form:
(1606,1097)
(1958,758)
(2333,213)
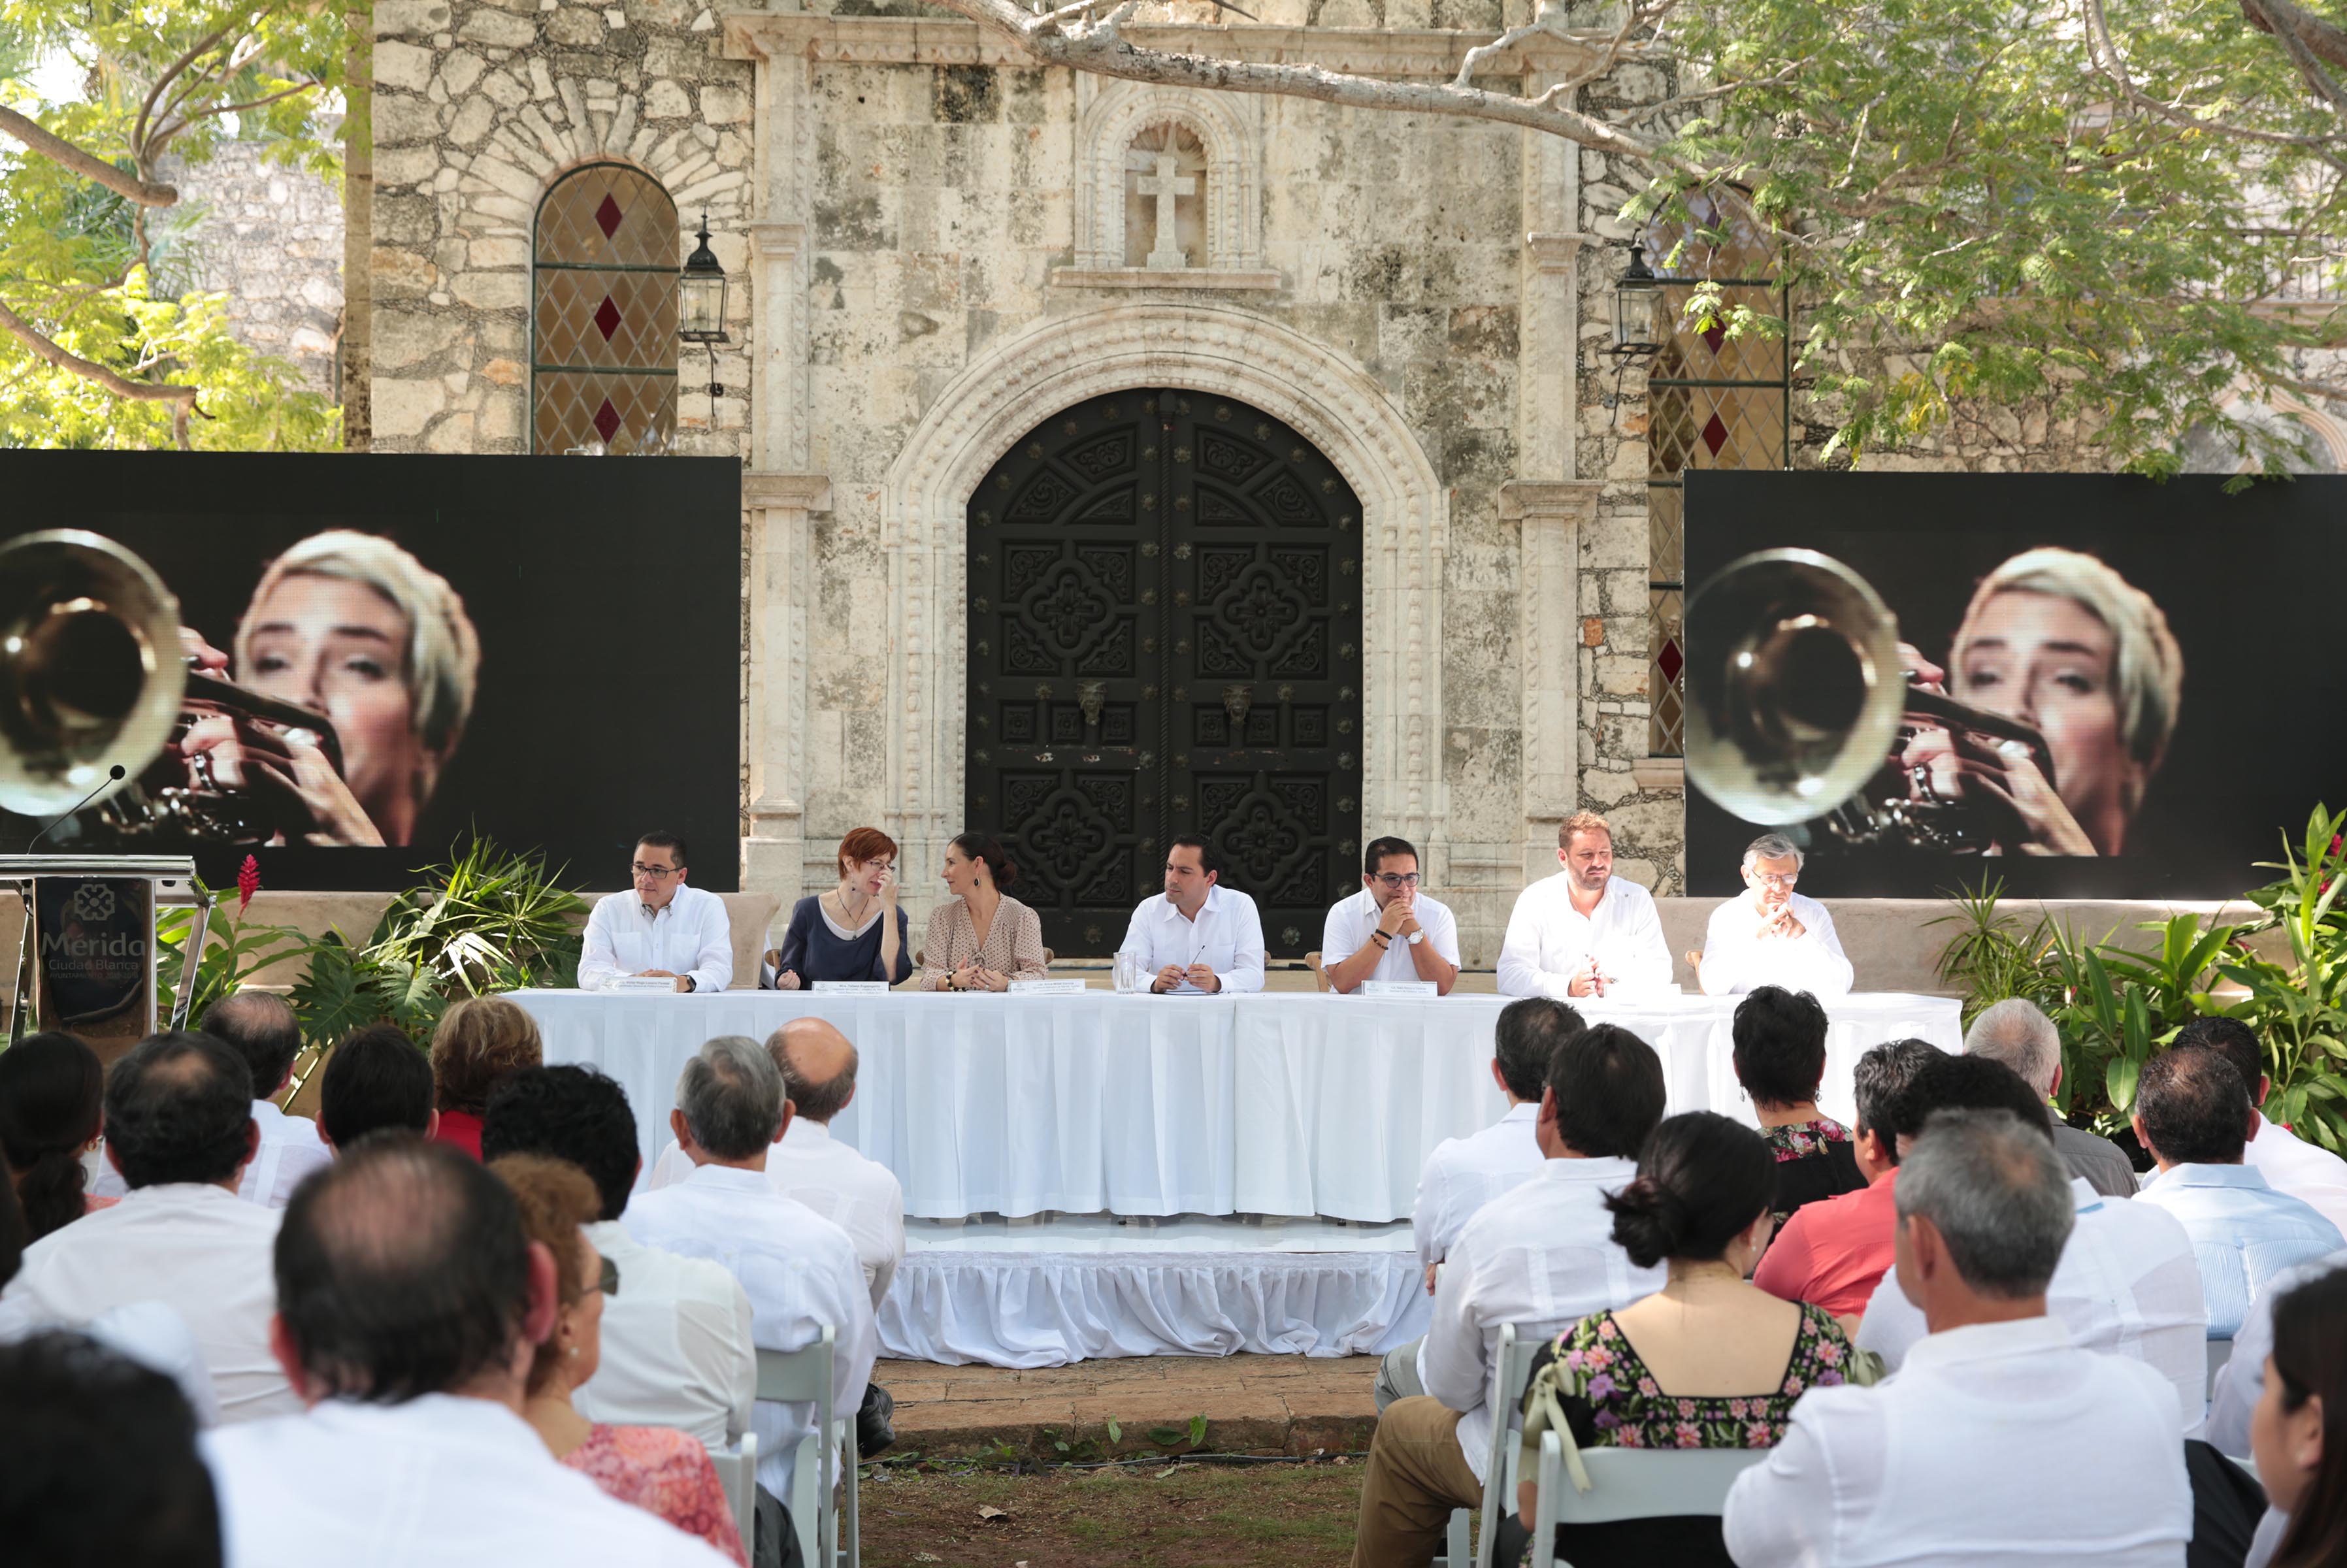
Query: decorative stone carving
(1227,127)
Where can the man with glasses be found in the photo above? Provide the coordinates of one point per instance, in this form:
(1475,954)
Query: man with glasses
(1388,930)
(1772,935)
(661,929)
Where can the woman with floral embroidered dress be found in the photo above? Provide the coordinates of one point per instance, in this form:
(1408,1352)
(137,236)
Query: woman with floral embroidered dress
(1781,1058)
(1708,1361)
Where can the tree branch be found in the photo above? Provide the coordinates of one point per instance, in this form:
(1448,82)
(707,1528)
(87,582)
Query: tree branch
(182,398)
(2103,50)
(89,166)
(2308,40)
(168,75)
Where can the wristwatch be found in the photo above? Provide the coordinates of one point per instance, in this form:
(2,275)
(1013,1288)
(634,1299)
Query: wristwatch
(1417,937)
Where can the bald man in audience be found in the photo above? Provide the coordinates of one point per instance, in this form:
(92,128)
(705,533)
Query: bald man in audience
(861,1196)
(2015,1032)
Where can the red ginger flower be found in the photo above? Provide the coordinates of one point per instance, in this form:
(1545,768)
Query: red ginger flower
(248,883)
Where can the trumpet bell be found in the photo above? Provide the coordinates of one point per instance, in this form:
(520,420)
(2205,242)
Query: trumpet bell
(90,672)
(1795,692)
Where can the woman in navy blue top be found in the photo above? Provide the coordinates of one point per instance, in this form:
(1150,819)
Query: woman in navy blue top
(854,932)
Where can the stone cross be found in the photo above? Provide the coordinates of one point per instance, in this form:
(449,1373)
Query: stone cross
(1166,185)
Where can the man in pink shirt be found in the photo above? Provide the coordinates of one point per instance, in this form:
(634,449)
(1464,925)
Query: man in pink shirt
(1834,1251)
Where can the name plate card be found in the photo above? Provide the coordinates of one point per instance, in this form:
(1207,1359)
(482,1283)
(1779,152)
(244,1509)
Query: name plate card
(1069,986)
(1398,988)
(853,988)
(642,983)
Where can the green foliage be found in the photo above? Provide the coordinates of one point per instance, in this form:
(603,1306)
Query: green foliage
(107,280)
(492,919)
(234,952)
(2115,1007)
(1969,208)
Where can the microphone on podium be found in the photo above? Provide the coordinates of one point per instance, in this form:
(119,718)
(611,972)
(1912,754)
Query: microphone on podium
(114,775)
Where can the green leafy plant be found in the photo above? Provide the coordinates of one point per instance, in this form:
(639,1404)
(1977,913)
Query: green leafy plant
(232,954)
(1991,958)
(2300,1009)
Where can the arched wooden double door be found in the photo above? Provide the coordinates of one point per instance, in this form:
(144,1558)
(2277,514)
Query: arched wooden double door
(1165,637)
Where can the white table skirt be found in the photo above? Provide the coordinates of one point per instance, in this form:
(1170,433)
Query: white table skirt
(1280,1104)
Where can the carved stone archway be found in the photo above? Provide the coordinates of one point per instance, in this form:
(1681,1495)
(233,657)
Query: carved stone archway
(1326,398)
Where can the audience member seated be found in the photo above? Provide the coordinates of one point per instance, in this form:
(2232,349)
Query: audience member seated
(1462,1174)
(854,932)
(2295,1433)
(1832,1251)
(259,1026)
(1702,1363)
(981,938)
(98,1463)
(2241,1382)
(376,1080)
(1780,1058)
(1541,1257)
(861,1196)
(413,1306)
(1584,931)
(2289,1162)
(676,1337)
(658,1469)
(2192,1112)
(179,1127)
(480,1043)
(2016,1033)
(2000,1442)
(1771,935)
(799,1268)
(51,1111)
(2126,1285)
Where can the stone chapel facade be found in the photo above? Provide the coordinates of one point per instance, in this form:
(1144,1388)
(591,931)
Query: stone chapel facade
(937,250)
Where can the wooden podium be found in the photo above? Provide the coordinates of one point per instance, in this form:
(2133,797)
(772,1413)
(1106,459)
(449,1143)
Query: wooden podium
(86,950)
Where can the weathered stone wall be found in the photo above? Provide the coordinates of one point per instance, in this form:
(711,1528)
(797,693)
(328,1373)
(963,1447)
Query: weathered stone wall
(477,108)
(270,238)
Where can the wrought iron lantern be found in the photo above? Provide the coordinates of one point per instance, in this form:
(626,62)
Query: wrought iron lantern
(701,302)
(1638,309)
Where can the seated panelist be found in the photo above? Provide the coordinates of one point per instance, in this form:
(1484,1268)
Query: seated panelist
(1389,930)
(1200,936)
(1772,935)
(661,929)
(981,938)
(854,932)
(1583,932)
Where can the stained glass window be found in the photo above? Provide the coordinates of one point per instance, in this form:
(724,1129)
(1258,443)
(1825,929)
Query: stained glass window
(603,313)
(1712,401)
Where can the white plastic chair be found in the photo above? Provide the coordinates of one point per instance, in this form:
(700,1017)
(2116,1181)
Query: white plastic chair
(804,1377)
(737,1470)
(1629,1484)
(2219,1352)
(1511,1366)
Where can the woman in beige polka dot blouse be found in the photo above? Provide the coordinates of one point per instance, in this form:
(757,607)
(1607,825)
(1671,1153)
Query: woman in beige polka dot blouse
(981,940)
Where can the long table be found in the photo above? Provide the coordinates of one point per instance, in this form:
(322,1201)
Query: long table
(1276,1103)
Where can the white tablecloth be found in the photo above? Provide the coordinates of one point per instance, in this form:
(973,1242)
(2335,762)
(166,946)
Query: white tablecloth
(1280,1102)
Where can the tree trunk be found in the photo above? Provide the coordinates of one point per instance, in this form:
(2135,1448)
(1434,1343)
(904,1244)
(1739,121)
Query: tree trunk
(357,364)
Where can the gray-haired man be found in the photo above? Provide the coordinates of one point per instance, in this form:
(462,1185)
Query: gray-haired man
(798,1269)
(2015,1032)
(2076,1450)
(1772,935)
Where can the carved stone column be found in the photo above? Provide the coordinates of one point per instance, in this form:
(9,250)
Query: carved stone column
(776,708)
(1551,514)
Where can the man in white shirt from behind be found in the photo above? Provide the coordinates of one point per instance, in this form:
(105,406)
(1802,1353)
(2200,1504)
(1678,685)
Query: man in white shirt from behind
(2127,1284)
(412,1305)
(861,1196)
(1584,931)
(677,1346)
(1539,1257)
(2000,1440)
(1463,1174)
(179,1126)
(1772,935)
(1200,936)
(1389,930)
(800,1269)
(660,928)
(2314,1176)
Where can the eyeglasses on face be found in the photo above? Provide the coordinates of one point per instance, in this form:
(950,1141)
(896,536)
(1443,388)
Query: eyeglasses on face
(1771,879)
(607,1277)
(643,870)
(1399,878)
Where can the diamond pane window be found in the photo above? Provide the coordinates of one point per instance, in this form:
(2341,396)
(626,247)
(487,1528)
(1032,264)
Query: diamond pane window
(1712,401)
(603,336)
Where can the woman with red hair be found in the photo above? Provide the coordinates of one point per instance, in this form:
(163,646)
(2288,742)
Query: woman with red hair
(856,931)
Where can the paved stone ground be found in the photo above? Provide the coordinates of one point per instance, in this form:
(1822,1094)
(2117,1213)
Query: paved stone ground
(1282,1404)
